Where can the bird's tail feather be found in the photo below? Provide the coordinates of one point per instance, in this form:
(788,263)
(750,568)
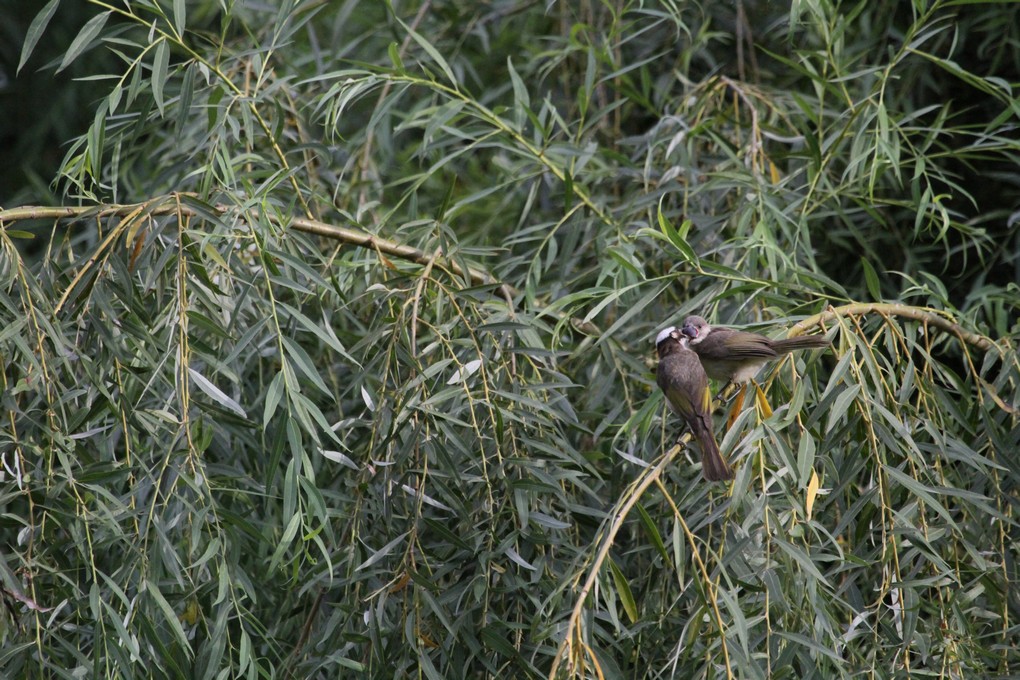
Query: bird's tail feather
(713,466)
(800,342)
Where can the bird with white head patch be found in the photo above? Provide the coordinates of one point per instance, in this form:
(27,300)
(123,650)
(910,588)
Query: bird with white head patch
(682,379)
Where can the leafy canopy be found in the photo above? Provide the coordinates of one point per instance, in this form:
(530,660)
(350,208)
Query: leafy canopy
(336,358)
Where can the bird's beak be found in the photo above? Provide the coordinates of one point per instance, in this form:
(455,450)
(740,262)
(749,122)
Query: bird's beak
(690,331)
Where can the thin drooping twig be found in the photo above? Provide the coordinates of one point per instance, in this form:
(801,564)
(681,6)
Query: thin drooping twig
(366,149)
(650,475)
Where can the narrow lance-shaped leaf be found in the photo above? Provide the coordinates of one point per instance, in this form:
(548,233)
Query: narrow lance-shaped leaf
(216,393)
(160,67)
(86,35)
(35,31)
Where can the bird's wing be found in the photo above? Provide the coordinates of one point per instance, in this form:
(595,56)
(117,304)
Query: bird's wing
(706,402)
(736,345)
(678,398)
(680,401)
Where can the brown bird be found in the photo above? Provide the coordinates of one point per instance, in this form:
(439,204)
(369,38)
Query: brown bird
(682,379)
(737,356)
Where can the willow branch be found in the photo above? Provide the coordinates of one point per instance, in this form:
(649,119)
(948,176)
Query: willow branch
(355,237)
(931,317)
(478,277)
(648,476)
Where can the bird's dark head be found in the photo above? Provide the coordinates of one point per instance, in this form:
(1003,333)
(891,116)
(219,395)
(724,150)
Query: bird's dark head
(695,328)
(669,340)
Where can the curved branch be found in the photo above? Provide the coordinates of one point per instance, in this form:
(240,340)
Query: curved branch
(650,475)
(930,317)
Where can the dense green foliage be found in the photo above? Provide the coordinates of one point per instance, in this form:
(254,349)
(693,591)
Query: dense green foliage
(237,444)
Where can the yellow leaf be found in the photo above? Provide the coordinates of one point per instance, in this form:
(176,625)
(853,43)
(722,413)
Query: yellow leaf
(774,172)
(812,491)
(192,611)
(401,583)
(763,402)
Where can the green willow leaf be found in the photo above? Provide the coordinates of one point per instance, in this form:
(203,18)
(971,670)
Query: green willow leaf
(215,393)
(382,552)
(160,67)
(35,31)
(92,28)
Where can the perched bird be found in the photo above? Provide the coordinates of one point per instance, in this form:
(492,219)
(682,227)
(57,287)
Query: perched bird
(682,379)
(737,356)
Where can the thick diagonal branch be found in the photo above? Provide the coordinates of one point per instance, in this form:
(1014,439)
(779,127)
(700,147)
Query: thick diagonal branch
(170,206)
